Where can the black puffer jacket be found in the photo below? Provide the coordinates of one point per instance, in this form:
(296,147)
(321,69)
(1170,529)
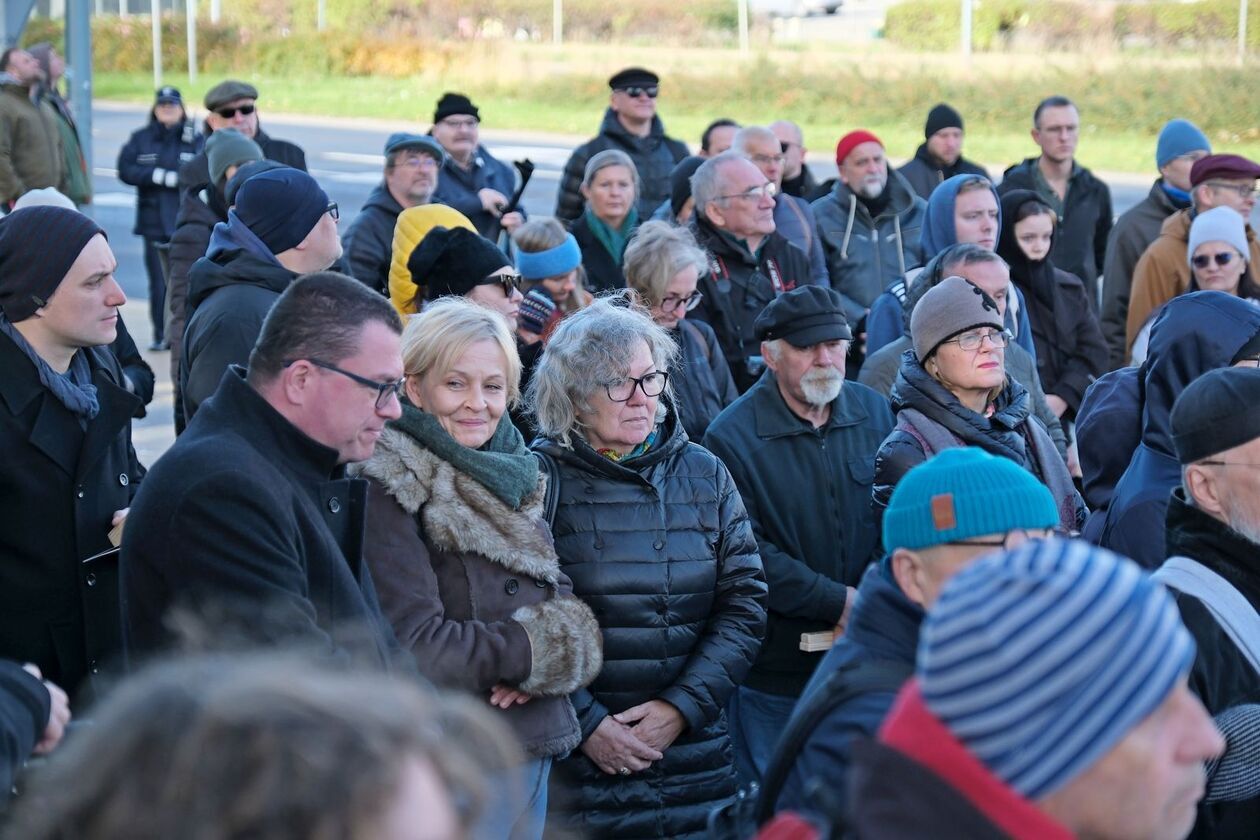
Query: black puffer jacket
(701,379)
(661,549)
(369,241)
(654,157)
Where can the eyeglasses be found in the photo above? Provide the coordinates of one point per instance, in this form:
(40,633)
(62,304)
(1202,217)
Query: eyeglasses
(418,162)
(464,123)
(384,390)
(974,340)
(1222,259)
(762,160)
(652,385)
(1229,464)
(1242,190)
(1005,541)
(650,91)
(1249,361)
(671,302)
(787,145)
(228,113)
(333,210)
(766,190)
(509,282)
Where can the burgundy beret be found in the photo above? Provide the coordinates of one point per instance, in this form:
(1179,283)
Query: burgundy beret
(1222,166)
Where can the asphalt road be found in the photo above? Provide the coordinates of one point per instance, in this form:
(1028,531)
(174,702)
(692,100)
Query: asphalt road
(345,157)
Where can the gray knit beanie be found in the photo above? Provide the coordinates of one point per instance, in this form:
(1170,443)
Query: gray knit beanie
(228,147)
(954,305)
(1220,224)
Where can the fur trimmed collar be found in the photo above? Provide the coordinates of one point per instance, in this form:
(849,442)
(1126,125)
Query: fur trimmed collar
(458,513)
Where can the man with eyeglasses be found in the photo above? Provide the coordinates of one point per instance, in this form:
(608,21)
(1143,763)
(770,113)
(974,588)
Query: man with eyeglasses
(412,163)
(793,218)
(797,179)
(945,513)
(1212,541)
(474,182)
(750,263)
(1180,145)
(282,226)
(939,157)
(801,447)
(251,533)
(1163,272)
(632,126)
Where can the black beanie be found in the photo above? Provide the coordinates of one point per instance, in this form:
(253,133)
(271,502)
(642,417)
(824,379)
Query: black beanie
(680,181)
(455,103)
(281,207)
(942,116)
(452,261)
(243,174)
(1216,412)
(37,247)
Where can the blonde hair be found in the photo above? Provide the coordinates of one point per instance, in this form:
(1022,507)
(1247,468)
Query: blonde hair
(435,339)
(656,254)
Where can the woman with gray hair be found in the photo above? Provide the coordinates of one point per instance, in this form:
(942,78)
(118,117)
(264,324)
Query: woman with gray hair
(652,532)
(663,266)
(611,188)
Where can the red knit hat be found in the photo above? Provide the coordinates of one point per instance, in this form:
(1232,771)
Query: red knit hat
(852,140)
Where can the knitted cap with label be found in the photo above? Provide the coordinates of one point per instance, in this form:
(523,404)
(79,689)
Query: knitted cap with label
(952,306)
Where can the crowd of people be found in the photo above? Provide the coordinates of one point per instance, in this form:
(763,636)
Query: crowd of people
(917,503)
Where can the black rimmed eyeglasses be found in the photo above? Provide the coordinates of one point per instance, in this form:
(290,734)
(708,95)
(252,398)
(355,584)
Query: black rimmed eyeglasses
(384,390)
(652,385)
(670,303)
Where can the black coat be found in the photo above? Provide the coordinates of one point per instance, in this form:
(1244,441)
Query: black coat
(654,158)
(603,273)
(925,173)
(140,379)
(737,286)
(1221,675)
(144,161)
(807,492)
(1080,243)
(59,489)
(247,516)
(25,705)
(231,289)
(661,550)
(199,211)
(458,187)
(369,241)
(701,378)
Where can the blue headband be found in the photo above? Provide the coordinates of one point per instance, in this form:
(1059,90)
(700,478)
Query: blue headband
(542,264)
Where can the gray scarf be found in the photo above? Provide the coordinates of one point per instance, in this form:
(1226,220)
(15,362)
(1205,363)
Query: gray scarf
(73,389)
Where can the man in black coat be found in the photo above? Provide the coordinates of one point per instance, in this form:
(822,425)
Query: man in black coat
(631,125)
(249,530)
(1081,200)
(1213,537)
(749,262)
(282,225)
(33,718)
(939,156)
(801,447)
(69,471)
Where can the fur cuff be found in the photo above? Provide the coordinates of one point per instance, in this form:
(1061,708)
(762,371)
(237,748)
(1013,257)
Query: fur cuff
(565,644)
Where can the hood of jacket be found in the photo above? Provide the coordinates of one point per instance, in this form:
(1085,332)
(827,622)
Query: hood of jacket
(1108,430)
(235,257)
(884,620)
(938,223)
(612,127)
(1192,334)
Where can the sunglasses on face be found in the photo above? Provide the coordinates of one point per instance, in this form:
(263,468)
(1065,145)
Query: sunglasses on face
(229,113)
(1203,260)
(650,91)
(509,282)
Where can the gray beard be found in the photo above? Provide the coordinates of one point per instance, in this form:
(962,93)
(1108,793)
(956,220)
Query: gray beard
(1242,522)
(871,189)
(821,388)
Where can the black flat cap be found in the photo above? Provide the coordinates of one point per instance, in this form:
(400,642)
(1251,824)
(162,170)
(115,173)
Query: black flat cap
(804,317)
(229,91)
(1218,411)
(633,77)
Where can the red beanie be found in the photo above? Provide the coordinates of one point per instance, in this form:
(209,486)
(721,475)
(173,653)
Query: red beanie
(853,139)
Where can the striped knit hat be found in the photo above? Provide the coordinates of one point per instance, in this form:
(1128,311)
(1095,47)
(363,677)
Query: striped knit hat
(1040,659)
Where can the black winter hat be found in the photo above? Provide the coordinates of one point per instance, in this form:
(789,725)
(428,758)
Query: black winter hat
(942,116)
(804,317)
(1218,411)
(243,174)
(281,207)
(30,270)
(452,261)
(455,103)
(680,181)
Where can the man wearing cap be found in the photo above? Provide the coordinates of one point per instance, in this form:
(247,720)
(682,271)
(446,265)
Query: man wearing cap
(1180,145)
(869,225)
(30,144)
(750,263)
(1081,199)
(1049,700)
(150,162)
(1163,272)
(69,470)
(631,125)
(801,447)
(282,226)
(412,162)
(939,157)
(1213,538)
(473,181)
(945,513)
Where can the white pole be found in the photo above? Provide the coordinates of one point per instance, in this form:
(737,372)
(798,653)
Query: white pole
(190,15)
(966,28)
(123,9)
(743,24)
(216,9)
(557,21)
(156,13)
(320,15)
(1242,31)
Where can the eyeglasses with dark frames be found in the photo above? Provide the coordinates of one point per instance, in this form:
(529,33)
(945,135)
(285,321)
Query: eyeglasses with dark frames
(509,282)
(333,210)
(1242,190)
(971,341)
(384,390)
(1222,259)
(1028,535)
(229,113)
(1229,464)
(670,303)
(652,384)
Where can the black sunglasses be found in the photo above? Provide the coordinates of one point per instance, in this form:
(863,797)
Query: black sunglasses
(1222,259)
(509,282)
(228,113)
(383,389)
(650,91)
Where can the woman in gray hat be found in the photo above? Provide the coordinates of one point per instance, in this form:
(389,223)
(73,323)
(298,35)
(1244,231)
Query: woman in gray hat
(952,390)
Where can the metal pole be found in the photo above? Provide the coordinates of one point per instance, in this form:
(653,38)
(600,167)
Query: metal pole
(742,6)
(155,11)
(124,10)
(216,9)
(966,28)
(1242,31)
(190,14)
(557,21)
(320,15)
(79,45)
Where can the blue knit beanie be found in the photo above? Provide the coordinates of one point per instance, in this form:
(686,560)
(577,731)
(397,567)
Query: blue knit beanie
(553,262)
(963,493)
(281,207)
(1179,137)
(1041,659)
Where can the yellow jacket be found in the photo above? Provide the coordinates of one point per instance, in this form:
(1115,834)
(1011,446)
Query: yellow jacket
(413,225)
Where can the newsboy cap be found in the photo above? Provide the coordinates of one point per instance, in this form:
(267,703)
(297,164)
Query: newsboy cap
(804,317)
(229,91)
(422,142)
(633,77)
(1222,166)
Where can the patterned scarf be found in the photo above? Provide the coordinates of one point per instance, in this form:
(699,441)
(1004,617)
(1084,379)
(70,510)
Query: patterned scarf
(615,456)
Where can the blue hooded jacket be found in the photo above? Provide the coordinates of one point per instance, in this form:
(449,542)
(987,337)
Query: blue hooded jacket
(1192,334)
(885,324)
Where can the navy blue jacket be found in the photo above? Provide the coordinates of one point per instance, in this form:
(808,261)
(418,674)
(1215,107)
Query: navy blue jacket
(457,187)
(369,241)
(807,492)
(884,626)
(1108,431)
(1192,334)
(143,162)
